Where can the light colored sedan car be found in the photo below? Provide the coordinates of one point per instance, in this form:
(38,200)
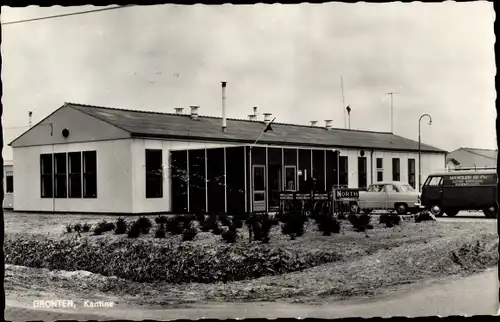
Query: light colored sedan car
(392,195)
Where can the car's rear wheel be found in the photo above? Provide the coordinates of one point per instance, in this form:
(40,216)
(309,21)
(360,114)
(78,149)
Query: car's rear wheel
(491,212)
(436,210)
(451,212)
(401,209)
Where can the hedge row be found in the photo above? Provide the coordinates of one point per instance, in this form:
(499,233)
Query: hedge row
(141,261)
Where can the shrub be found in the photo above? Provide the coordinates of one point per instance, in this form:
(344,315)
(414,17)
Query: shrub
(144,223)
(328,224)
(160,231)
(189,233)
(134,230)
(224,220)
(69,228)
(86,227)
(200,217)
(424,216)
(77,227)
(142,261)
(390,220)
(359,222)
(230,235)
(187,220)
(145,230)
(105,226)
(237,221)
(98,230)
(174,225)
(217,230)
(294,224)
(161,219)
(121,226)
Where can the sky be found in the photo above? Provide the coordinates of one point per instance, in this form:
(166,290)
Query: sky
(284,59)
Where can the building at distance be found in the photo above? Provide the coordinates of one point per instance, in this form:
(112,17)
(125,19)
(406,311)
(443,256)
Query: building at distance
(93,159)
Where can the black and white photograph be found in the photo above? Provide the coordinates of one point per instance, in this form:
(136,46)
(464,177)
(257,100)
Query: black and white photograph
(326,160)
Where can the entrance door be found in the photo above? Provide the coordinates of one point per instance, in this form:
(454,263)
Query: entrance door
(259,188)
(274,181)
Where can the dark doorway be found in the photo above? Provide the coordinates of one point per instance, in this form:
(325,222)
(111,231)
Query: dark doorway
(257,181)
(235,180)
(362,173)
(274,176)
(179,177)
(318,165)
(344,171)
(197,200)
(215,181)
(331,169)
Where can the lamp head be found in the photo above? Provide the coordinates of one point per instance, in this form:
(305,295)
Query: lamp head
(430,122)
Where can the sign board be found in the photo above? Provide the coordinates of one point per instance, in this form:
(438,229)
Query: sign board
(470,180)
(346,194)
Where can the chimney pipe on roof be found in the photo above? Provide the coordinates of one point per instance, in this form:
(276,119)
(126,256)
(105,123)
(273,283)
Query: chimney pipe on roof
(328,124)
(178,110)
(252,117)
(314,123)
(255,111)
(30,114)
(267,117)
(194,111)
(224,125)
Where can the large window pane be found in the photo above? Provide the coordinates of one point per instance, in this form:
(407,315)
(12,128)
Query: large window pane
(75,175)
(89,174)
(154,174)
(60,175)
(46,174)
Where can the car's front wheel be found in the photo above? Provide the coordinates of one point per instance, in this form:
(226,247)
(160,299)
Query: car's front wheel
(491,212)
(401,209)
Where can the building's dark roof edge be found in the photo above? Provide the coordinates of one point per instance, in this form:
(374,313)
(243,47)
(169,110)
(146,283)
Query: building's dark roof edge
(282,143)
(220,118)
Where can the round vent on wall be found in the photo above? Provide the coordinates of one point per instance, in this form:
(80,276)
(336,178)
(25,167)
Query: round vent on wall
(362,153)
(65,133)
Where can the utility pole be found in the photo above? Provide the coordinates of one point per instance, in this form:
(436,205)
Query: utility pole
(392,110)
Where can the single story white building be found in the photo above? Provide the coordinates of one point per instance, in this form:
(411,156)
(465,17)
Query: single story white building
(90,159)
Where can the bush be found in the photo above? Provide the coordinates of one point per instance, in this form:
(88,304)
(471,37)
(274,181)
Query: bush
(224,220)
(217,230)
(200,217)
(161,219)
(237,221)
(189,233)
(328,224)
(160,231)
(390,220)
(121,226)
(294,224)
(145,230)
(69,228)
(77,227)
(142,261)
(230,235)
(174,225)
(98,230)
(144,223)
(134,230)
(105,226)
(424,216)
(360,222)
(86,227)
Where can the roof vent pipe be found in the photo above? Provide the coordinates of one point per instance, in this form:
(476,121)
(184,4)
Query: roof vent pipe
(224,125)
(252,117)
(314,123)
(194,111)
(30,114)
(255,111)
(328,124)
(178,110)
(267,117)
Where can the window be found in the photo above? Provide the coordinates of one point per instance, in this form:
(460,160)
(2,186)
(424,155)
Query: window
(9,184)
(60,176)
(396,174)
(434,181)
(406,188)
(390,188)
(89,174)
(154,174)
(75,175)
(375,188)
(411,172)
(380,169)
(290,178)
(46,172)
(343,171)
(362,172)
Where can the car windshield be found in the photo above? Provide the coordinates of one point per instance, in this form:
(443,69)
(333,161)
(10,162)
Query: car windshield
(374,188)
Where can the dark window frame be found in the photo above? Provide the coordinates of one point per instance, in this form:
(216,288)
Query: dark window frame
(380,169)
(344,171)
(154,173)
(362,177)
(396,169)
(9,183)
(60,175)
(75,174)
(89,176)
(46,175)
(411,173)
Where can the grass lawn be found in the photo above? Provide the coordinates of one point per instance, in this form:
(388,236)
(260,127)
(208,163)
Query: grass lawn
(370,265)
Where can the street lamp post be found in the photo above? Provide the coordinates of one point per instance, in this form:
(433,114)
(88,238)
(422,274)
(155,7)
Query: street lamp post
(419,150)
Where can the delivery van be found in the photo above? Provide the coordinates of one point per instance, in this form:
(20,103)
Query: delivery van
(451,192)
